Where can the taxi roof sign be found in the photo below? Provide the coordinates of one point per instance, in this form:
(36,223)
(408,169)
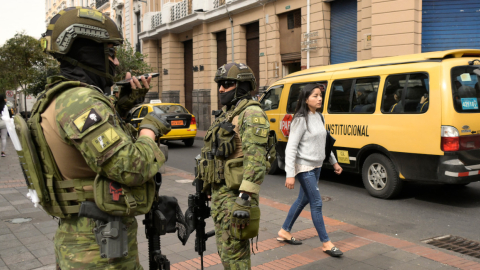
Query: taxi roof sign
(155,101)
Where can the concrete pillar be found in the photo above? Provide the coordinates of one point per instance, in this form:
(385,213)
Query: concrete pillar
(396,27)
(172,60)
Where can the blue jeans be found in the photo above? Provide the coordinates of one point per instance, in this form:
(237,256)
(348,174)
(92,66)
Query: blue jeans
(309,193)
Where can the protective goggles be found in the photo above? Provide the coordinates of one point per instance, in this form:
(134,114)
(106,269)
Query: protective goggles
(112,52)
(227,84)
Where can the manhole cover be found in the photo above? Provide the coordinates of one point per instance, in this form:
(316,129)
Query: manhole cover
(457,244)
(19,220)
(326,199)
(184,181)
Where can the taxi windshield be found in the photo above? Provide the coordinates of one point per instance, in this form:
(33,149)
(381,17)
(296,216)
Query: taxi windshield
(163,109)
(465,89)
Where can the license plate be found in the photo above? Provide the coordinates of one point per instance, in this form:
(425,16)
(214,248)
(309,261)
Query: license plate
(177,123)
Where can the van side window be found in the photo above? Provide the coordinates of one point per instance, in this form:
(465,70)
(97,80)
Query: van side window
(295,92)
(406,93)
(271,100)
(365,95)
(354,95)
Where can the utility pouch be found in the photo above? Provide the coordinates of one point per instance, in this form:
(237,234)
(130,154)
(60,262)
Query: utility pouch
(234,173)
(225,142)
(271,151)
(206,169)
(112,237)
(251,230)
(116,199)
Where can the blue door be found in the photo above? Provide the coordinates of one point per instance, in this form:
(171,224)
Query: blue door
(343,31)
(450,25)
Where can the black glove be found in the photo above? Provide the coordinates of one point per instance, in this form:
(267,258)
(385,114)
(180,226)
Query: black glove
(128,101)
(241,213)
(156,123)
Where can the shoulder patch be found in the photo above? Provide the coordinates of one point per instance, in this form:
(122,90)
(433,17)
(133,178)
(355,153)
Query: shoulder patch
(86,120)
(258,120)
(105,140)
(262,132)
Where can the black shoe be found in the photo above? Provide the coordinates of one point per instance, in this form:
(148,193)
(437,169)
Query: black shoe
(292,241)
(334,252)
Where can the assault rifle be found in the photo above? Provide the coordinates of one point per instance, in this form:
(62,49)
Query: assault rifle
(155,225)
(198,211)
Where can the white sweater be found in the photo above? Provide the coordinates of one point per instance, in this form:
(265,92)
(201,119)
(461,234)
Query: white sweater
(306,147)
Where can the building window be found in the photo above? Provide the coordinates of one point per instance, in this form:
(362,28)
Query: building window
(294,19)
(139,29)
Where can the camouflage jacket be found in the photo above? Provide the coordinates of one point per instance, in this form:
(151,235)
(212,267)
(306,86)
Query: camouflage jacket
(87,120)
(253,144)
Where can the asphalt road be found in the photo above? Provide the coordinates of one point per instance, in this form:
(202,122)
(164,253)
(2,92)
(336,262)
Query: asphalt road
(421,211)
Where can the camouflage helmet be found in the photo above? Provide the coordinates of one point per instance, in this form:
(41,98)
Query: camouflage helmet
(238,72)
(75,23)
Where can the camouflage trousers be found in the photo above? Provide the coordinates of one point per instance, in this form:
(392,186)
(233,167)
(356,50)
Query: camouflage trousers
(76,247)
(235,254)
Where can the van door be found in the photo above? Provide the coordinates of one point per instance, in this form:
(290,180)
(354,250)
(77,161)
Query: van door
(466,114)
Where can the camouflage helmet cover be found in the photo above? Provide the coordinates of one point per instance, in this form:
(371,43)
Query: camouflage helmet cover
(238,72)
(79,22)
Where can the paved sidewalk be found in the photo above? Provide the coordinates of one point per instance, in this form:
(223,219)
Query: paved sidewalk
(29,245)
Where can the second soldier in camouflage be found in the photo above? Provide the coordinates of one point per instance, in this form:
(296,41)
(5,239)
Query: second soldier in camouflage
(233,164)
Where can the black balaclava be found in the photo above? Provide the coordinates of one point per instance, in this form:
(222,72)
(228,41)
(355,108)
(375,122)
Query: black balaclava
(92,54)
(231,97)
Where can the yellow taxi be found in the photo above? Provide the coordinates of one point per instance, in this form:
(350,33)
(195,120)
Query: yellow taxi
(184,125)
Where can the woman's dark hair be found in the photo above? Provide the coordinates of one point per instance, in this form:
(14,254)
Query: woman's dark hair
(302,109)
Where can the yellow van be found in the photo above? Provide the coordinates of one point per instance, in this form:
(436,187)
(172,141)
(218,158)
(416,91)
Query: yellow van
(405,118)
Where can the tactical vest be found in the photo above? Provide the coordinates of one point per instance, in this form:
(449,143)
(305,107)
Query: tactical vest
(219,140)
(59,197)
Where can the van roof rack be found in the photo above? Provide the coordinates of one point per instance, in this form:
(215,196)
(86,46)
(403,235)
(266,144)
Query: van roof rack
(387,61)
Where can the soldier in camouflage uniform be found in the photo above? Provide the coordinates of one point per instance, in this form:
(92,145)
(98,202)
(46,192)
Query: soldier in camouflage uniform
(86,135)
(114,96)
(238,136)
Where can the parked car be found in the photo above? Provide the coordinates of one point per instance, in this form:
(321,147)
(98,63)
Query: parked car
(184,125)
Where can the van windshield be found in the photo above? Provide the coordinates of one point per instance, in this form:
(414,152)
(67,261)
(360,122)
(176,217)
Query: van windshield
(465,89)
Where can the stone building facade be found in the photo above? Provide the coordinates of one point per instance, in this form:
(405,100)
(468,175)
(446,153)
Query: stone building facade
(187,40)
(283,35)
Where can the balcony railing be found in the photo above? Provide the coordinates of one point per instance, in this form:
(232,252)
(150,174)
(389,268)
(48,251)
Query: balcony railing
(180,10)
(99,3)
(218,3)
(118,3)
(156,20)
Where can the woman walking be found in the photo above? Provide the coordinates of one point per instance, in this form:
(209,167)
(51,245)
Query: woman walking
(3,127)
(304,157)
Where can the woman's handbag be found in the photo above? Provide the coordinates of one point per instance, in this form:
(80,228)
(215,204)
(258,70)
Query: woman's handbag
(329,141)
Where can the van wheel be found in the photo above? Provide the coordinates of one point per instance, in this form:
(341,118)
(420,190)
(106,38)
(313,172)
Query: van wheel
(189,142)
(274,168)
(380,177)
